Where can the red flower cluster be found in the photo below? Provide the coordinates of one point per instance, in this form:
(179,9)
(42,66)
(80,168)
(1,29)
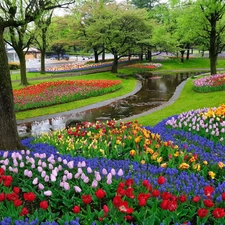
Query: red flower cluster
(14,195)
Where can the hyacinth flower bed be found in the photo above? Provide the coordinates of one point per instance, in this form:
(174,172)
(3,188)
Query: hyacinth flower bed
(210,83)
(117,173)
(51,93)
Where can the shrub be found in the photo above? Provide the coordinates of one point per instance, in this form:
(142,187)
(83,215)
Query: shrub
(14,66)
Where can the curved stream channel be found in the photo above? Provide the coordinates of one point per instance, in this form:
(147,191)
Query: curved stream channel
(155,91)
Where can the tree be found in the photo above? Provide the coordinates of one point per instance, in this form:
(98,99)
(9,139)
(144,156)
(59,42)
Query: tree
(20,40)
(86,25)
(204,22)
(119,32)
(8,9)
(147,4)
(59,47)
(213,26)
(41,28)
(60,35)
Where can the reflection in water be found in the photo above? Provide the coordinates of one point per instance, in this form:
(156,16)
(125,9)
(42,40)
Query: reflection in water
(154,92)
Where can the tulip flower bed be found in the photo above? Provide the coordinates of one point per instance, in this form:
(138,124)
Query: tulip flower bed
(150,66)
(210,83)
(73,67)
(209,123)
(51,93)
(116,173)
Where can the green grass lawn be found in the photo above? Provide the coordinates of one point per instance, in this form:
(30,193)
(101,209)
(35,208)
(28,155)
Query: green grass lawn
(128,86)
(193,63)
(188,99)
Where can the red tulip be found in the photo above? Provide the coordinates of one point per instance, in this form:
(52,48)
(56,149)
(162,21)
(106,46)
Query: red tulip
(100,193)
(202,212)
(76,209)
(87,199)
(161,180)
(218,213)
(44,204)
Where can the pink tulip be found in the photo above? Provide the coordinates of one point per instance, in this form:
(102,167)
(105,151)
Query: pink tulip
(69,176)
(50,166)
(40,186)
(70,164)
(120,172)
(113,171)
(15,163)
(5,154)
(39,169)
(60,167)
(55,172)
(59,159)
(66,186)
(25,172)
(77,175)
(53,178)
(33,166)
(46,179)
(64,178)
(104,171)
(27,152)
(15,170)
(77,189)
(89,170)
(94,183)
(6,162)
(35,181)
(22,152)
(98,177)
(86,180)
(48,193)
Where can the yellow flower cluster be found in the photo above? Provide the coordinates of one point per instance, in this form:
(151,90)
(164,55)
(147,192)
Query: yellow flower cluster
(218,112)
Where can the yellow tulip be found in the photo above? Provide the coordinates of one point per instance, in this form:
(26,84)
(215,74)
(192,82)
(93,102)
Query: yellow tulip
(212,174)
(184,166)
(197,166)
(221,165)
(154,156)
(149,150)
(159,160)
(163,165)
(132,152)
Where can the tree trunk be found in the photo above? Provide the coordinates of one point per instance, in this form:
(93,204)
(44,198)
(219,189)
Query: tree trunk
(182,55)
(188,54)
(23,71)
(213,53)
(149,55)
(213,61)
(96,55)
(43,61)
(8,127)
(103,55)
(115,64)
